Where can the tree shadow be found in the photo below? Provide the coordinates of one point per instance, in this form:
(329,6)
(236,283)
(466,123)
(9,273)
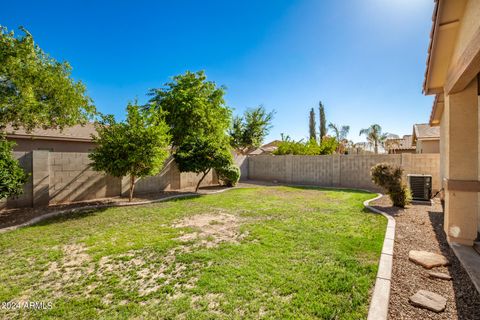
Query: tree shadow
(467,298)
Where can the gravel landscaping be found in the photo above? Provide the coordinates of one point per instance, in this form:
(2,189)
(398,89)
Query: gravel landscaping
(420,227)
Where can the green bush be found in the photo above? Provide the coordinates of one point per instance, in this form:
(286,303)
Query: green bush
(310,148)
(229,175)
(12,176)
(389,177)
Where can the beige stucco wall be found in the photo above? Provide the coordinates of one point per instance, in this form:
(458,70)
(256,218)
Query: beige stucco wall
(351,171)
(428,146)
(469,24)
(460,124)
(26,145)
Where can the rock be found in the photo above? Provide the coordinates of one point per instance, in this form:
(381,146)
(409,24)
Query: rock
(428,300)
(439,275)
(427,259)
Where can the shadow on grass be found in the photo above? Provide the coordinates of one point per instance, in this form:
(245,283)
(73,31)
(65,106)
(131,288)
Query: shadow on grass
(304,187)
(467,299)
(85,212)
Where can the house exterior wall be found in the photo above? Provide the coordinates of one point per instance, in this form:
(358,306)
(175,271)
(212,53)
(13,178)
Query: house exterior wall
(349,171)
(461,165)
(26,145)
(428,146)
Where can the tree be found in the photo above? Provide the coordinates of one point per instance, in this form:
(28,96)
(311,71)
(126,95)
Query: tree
(200,155)
(248,132)
(35,89)
(193,106)
(198,119)
(312,125)
(12,176)
(340,133)
(137,147)
(374,135)
(323,120)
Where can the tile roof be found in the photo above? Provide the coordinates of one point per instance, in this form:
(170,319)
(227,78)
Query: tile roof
(425,131)
(76,132)
(404,143)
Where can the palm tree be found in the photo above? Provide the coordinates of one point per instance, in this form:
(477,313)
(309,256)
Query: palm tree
(375,137)
(340,134)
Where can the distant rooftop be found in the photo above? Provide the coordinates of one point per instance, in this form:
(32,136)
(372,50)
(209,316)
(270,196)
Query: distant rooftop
(75,133)
(425,131)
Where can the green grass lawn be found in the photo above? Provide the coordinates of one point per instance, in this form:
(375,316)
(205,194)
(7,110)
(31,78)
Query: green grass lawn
(267,252)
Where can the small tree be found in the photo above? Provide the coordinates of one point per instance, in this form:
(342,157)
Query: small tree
(12,176)
(137,147)
(323,120)
(312,125)
(248,132)
(35,89)
(389,177)
(200,155)
(375,137)
(340,133)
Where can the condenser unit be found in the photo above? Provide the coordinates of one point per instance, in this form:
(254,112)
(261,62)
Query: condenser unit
(421,186)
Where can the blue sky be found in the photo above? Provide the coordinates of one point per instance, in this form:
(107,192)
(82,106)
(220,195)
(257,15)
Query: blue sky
(364,59)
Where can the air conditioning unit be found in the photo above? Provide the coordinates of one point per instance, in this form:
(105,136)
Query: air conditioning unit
(421,186)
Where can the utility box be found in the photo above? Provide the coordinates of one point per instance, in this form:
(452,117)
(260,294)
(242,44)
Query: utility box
(421,186)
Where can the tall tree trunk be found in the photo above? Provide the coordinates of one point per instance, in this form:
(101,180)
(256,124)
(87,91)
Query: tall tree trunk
(376,147)
(132,186)
(200,181)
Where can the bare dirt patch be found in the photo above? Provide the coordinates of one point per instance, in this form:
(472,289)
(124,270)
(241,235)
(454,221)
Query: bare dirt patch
(211,229)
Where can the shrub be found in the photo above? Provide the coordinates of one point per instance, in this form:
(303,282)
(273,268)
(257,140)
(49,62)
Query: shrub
(12,176)
(229,175)
(389,177)
(311,147)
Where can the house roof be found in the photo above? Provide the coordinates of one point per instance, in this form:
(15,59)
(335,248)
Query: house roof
(404,143)
(74,133)
(445,24)
(424,131)
(266,148)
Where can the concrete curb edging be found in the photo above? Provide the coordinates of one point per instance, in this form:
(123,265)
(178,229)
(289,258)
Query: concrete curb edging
(102,206)
(381,292)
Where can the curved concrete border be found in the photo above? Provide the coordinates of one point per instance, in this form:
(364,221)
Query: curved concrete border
(381,292)
(106,205)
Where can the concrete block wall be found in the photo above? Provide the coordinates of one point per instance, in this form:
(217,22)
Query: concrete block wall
(62,177)
(72,179)
(25,199)
(349,171)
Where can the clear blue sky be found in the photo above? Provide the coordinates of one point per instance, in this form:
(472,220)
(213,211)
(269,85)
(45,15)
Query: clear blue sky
(364,59)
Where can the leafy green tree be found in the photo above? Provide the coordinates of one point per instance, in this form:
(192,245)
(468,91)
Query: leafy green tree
(193,106)
(198,119)
(137,147)
(323,120)
(35,89)
(248,132)
(200,155)
(374,135)
(312,126)
(340,133)
(12,176)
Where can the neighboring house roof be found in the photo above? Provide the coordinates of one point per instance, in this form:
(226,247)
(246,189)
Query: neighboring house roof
(74,133)
(404,143)
(424,131)
(266,148)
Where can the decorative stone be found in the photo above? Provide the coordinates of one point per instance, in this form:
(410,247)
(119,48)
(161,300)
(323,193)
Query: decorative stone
(427,259)
(439,275)
(428,300)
